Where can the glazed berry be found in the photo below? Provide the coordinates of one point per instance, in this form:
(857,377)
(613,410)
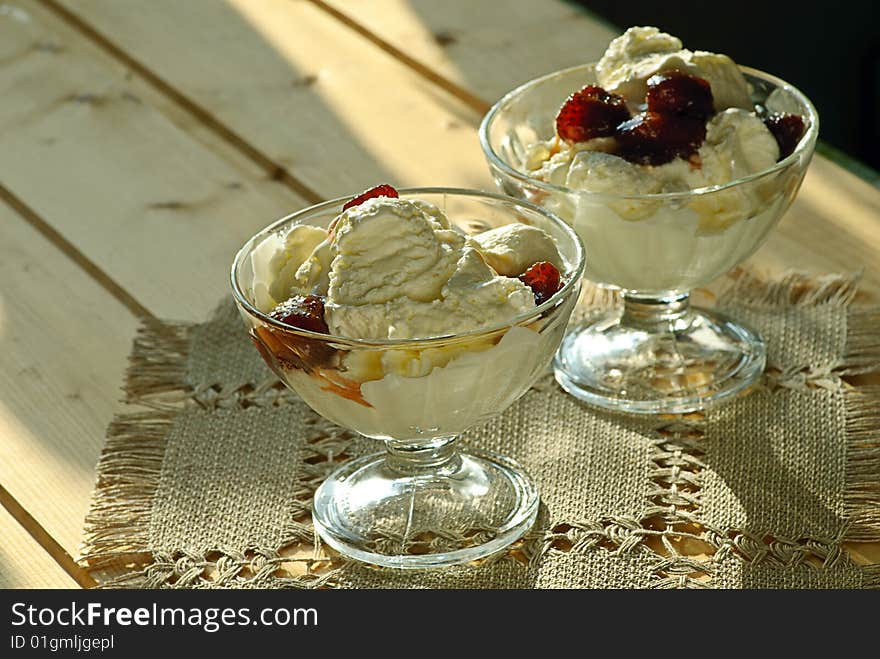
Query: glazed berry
(383,190)
(788,129)
(675,92)
(652,138)
(543,278)
(591,112)
(302,311)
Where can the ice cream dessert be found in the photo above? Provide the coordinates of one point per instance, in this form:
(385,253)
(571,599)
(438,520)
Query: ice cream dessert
(359,307)
(661,119)
(655,121)
(673,166)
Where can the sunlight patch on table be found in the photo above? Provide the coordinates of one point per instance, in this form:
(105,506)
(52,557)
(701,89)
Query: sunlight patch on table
(395,118)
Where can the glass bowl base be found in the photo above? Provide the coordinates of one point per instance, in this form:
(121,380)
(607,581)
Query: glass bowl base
(683,367)
(472,506)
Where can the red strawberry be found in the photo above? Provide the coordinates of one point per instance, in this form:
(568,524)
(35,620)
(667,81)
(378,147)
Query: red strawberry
(787,129)
(674,92)
(652,138)
(383,190)
(302,311)
(543,278)
(591,112)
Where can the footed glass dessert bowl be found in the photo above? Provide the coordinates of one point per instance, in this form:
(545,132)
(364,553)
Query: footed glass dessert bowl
(423,501)
(657,353)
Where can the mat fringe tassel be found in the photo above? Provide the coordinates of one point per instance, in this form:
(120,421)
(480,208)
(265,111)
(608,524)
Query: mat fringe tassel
(117,524)
(128,470)
(862,355)
(862,342)
(872,576)
(862,495)
(792,288)
(117,527)
(158,361)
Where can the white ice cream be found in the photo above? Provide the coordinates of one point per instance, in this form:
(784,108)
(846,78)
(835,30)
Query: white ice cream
(640,52)
(277,260)
(737,144)
(737,141)
(646,244)
(512,248)
(395,269)
(655,244)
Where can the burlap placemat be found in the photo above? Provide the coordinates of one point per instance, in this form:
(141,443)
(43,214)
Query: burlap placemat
(209,483)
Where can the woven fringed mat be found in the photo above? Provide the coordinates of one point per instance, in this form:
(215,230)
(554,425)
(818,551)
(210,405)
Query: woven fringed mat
(208,482)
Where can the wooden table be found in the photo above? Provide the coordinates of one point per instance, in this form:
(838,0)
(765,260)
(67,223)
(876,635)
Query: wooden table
(142,141)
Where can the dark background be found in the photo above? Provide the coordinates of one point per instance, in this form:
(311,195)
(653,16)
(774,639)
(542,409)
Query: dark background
(829,50)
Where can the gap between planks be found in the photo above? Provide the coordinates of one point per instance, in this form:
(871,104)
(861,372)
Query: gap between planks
(9,502)
(465,96)
(46,541)
(30,216)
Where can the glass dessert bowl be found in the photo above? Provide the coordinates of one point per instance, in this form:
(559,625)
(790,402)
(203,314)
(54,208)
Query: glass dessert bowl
(657,353)
(422,502)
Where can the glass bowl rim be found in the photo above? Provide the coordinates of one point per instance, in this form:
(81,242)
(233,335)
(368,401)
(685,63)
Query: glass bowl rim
(555,300)
(806,143)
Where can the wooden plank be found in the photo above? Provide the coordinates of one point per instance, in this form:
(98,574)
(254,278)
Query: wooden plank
(326,104)
(63,345)
(23,563)
(833,226)
(48,546)
(485,47)
(120,171)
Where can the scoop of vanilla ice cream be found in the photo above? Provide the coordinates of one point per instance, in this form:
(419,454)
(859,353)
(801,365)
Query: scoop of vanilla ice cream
(313,274)
(512,248)
(557,163)
(598,172)
(433,215)
(394,269)
(385,249)
(633,57)
(641,52)
(539,153)
(595,171)
(729,87)
(276,261)
(737,144)
(473,297)
(555,169)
